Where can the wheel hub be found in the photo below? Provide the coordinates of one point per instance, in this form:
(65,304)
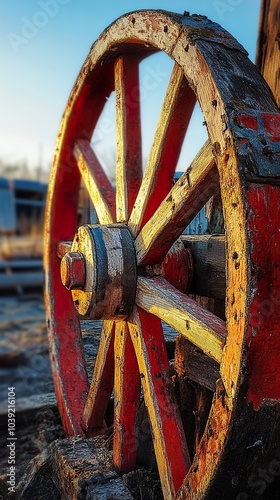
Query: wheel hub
(100,271)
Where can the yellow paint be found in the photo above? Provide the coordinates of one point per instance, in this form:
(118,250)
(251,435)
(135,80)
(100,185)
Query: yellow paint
(121,185)
(100,206)
(153,164)
(175,201)
(105,339)
(134,325)
(155,299)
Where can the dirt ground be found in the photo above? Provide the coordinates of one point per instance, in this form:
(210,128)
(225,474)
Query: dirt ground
(48,466)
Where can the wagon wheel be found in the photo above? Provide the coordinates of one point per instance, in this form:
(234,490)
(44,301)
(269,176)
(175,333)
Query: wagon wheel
(127,271)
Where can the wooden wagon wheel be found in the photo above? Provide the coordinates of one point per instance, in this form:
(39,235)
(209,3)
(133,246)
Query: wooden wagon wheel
(113,270)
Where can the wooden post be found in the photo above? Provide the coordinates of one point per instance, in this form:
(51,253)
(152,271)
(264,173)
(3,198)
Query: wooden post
(268,45)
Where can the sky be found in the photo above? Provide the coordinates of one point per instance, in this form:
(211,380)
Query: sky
(43,44)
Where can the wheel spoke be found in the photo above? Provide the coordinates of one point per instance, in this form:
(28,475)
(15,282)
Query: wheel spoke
(129,149)
(102,383)
(167,429)
(158,176)
(186,198)
(202,328)
(127,398)
(98,186)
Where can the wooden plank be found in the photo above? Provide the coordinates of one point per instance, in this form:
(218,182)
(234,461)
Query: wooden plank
(209,257)
(158,176)
(129,146)
(98,186)
(176,211)
(192,364)
(268,45)
(204,329)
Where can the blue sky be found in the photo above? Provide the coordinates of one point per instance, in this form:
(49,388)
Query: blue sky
(43,45)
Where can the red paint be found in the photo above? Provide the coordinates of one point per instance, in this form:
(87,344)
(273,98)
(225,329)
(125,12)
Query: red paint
(132,153)
(247,121)
(99,176)
(272,125)
(69,370)
(157,365)
(126,403)
(177,267)
(263,335)
(170,151)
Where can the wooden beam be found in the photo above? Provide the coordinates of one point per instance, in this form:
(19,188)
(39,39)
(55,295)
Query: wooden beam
(268,45)
(208,251)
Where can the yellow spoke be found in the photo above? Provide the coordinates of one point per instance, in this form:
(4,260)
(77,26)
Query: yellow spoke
(183,202)
(202,328)
(98,186)
(158,176)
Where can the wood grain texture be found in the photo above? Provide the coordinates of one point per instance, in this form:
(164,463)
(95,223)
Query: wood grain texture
(179,207)
(101,384)
(157,296)
(129,145)
(158,175)
(98,186)
(209,255)
(126,400)
(168,436)
(268,45)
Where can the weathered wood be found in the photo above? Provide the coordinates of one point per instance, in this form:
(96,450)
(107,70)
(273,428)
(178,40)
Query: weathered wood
(37,481)
(83,466)
(27,406)
(127,390)
(28,279)
(214,214)
(98,186)
(209,255)
(242,119)
(129,147)
(158,175)
(192,363)
(268,45)
(101,384)
(168,436)
(158,297)
(176,211)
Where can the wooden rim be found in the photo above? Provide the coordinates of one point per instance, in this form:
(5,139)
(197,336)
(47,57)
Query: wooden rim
(240,158)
